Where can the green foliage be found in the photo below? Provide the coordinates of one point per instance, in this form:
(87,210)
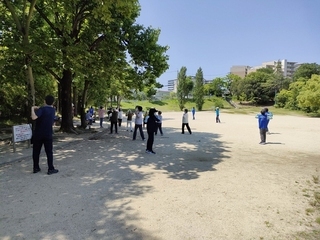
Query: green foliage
(309,97)
(181,87)
(254,89)
(198,92)
(306,70)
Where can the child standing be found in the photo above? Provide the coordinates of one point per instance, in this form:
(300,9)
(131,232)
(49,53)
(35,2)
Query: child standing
(159,124)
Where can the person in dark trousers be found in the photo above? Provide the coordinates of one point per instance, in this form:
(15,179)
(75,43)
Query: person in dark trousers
(114,121)
(263,126)
(217,115)
(159,124)
(151,128)
(185,121)
(44,117)
(138,123)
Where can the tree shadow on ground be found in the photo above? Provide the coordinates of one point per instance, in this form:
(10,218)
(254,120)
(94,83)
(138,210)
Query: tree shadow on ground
(91,196)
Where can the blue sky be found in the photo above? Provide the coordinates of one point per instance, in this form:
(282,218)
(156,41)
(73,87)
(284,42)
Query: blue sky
(217,34)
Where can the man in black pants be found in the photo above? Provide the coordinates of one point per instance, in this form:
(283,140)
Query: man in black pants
(151,128)
(42,135)
(114,121)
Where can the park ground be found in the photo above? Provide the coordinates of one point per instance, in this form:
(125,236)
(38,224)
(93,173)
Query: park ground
(217,183)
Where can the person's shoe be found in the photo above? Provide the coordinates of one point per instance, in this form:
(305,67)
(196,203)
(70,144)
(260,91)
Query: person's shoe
(262,143)
(152,152)
(35,170)
(147,151)
(52,171)
(182,133)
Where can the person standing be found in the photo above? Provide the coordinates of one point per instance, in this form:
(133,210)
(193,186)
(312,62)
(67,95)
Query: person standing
(263,126)
(114,121)
(185,121)
(129,120)
(89,119)
(101,113)
(42,135)
(159,124)
(138,123)
(151,128)
(217,115)
(193,113)
(270,116)
(120,116)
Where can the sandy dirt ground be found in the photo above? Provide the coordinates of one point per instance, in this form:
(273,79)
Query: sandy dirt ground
(217,183)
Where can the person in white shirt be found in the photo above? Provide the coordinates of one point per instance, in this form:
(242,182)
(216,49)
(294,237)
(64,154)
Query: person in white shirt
(138,123)
(159,124)
(120,116)
(185,121)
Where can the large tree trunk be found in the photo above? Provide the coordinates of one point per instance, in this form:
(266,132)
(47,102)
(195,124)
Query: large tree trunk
(75,101)
(83,104)
(66,101)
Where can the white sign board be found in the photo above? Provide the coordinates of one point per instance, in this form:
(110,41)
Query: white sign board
(22,132)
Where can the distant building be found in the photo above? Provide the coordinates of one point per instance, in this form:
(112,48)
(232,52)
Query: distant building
(240,70)
(172,84)
(287,68)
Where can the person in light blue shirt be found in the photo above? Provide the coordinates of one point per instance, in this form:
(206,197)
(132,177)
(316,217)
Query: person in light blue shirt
(217,115)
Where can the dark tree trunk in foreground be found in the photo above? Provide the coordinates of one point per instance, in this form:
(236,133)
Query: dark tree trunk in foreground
(82,104)
(66,101)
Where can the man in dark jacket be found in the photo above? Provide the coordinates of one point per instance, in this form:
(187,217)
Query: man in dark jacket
(151,128)
(42,135)
(114,120)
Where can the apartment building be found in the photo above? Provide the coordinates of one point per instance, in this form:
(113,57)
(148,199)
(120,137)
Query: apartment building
(172,84)
(287,68)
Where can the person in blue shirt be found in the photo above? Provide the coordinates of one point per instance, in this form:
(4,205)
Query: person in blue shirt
(193,113)
(42,135)
(270,116)
(263,125)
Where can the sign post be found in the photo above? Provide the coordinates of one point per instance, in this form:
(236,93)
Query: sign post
(21,133)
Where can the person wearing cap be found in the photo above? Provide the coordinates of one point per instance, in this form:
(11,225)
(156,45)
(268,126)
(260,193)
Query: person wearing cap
(263,125)
(217,115)
(151,128)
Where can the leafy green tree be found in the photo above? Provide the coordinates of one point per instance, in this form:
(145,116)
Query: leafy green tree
(217,86)
(254,89)
(81,28)
(198,92)
(22,13)
(189,86)
(181,87)
(309,97)
(306,70)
